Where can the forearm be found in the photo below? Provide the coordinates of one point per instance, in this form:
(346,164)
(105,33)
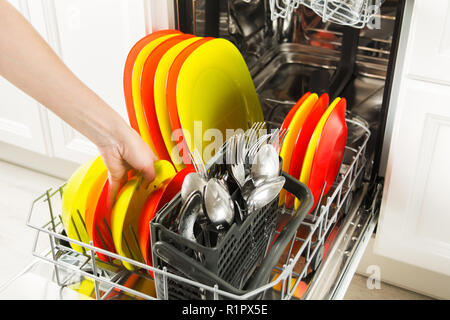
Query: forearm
(28,62)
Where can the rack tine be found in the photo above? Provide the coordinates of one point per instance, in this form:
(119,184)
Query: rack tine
(50,209)
(136,242)
(81,219)
(108,229)
(128,247)
(76,231)
(100,236)
(60,219)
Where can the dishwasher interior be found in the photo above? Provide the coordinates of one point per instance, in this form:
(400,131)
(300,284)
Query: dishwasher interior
(286,58)
(301,52)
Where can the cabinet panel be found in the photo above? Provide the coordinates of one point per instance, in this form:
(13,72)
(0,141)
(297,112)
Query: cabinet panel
(22,119)
(415,213)
(430,47)
(93,38)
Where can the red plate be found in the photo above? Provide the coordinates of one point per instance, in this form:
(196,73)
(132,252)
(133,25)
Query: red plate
(153,204)
(147,91)
(171,91)
(329,151)
(290,115)
(101,233)
(147,214)
(301,144)
(128,72)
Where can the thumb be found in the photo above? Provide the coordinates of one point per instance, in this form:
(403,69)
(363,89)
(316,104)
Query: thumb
(148,173)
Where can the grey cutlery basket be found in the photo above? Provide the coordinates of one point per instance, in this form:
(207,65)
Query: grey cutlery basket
(241,260)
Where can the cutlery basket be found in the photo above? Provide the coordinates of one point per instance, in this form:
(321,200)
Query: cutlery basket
(242,258)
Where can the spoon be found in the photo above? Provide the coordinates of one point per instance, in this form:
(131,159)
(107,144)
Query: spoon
(265,193)
(189,213)
(218,205)
(192,182)
(266,163)
(249,185)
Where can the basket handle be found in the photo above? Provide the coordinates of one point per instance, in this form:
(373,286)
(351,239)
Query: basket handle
(287,233)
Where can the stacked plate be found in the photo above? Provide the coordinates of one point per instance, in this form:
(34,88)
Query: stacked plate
(314,146)
(178,88)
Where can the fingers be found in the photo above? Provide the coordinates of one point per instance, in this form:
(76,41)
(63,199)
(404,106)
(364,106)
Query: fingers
(127,159)
(115,184)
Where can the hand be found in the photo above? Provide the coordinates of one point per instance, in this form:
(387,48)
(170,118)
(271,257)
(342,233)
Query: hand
(128,152)
(43,76)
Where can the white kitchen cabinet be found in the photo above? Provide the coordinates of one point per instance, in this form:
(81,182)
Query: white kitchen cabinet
(23,122)
(93,38)
(430,42)
(414,221)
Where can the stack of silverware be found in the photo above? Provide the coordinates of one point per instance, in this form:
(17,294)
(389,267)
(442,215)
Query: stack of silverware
(245,178)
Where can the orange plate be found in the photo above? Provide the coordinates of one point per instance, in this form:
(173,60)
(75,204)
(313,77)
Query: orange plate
(91,202)
(101,228)
(295,125)
(171,91)
(147,214)
(301,144)
(329,151)
(128,72)
(153,204)
(290,115)
(147,92)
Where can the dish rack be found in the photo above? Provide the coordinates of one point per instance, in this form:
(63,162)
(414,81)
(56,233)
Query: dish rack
(355,13)
(302,255)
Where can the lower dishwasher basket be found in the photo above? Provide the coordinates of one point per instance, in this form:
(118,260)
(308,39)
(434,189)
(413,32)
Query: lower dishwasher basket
(302,256)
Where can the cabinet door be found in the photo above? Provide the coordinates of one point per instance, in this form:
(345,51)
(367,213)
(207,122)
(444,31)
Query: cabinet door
(93,38)
(22,119)
(414,221)
(430,46)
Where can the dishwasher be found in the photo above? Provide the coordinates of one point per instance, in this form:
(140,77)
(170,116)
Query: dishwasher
(290,47)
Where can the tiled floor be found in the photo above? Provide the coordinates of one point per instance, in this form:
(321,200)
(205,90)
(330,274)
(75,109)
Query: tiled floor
(358,290)
(19,186)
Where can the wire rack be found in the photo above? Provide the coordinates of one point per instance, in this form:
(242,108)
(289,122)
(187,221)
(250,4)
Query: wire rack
(355,13)
(109,278)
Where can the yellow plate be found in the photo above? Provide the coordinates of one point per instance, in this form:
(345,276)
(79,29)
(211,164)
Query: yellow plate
(215,91)
(291,137)
(93,187)
(127,209)
(136,87)
(85,289)
(91,180)
(160,99)
(309,155)
(70,190)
